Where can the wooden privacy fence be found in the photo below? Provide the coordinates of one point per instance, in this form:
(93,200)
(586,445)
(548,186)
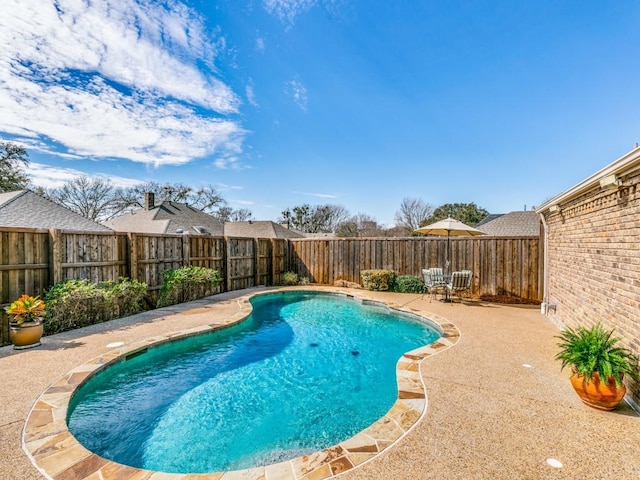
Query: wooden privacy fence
(32,260)
(501,265)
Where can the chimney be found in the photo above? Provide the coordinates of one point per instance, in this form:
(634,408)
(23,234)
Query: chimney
(149,200)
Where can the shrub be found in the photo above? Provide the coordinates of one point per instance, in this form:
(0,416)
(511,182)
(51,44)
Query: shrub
(378,280)
(408,284)
(290,278)
(126,297)
(187,283)
(77,303)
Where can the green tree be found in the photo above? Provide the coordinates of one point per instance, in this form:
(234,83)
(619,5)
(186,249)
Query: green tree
(468,213)
(13,158)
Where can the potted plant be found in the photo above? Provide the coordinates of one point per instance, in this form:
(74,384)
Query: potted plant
(598,365)
(26,315)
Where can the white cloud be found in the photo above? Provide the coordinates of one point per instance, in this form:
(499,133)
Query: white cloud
(229,162)
(288,10)
(251,95)
(318,195)
(223,187)
(114,78)
(244,202)
(260,45)
(52,177)
(298,92)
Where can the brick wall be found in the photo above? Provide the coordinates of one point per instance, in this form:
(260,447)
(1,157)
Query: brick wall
(594,263)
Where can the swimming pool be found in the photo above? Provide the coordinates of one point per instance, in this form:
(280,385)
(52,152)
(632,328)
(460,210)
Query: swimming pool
(233,399)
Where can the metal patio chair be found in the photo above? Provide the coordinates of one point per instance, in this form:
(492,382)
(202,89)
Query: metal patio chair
(460,283)
(433,281)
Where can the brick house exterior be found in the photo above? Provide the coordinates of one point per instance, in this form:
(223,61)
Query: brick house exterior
(592,254)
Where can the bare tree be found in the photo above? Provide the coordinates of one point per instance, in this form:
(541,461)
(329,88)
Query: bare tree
(413,212)
(227,214)
(206,199)
(241,215)
(360,225)
(12,160)
(94,198)
(321,218)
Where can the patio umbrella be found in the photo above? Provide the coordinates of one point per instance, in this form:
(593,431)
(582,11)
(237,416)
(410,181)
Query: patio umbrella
(449,227)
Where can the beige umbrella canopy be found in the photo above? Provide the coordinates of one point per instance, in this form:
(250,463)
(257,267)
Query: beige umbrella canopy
(449,227)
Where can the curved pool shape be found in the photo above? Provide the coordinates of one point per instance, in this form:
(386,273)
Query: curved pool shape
(303,372)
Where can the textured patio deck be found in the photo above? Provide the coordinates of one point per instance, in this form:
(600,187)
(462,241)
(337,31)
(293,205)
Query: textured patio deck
(488,415)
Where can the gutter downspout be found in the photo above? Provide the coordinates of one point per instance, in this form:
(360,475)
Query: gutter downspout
(545,267)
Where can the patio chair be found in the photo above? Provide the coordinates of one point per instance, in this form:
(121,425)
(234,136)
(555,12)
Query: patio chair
(433,281)
(460,282)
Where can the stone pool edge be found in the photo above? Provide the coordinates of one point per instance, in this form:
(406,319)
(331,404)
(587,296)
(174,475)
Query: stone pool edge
(58,455)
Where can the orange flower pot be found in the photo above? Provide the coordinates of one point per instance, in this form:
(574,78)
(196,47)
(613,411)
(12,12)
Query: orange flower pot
(598,394)
(25,335)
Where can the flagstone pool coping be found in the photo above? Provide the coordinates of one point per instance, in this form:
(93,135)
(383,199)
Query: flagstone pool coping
(58,455)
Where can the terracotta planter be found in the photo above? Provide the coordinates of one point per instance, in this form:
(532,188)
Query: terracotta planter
(597,394)
(26,335)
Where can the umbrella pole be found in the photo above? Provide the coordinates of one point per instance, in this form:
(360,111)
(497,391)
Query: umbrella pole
(448,262)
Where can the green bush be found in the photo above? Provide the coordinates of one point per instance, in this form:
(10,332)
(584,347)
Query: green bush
(187,283)
(78,303)
(126,296)
(408,284)
(290,278)
(378,280)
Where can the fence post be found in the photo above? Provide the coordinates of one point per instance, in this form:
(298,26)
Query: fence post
(186,251)
(272,254)
(256,265)
(225,262)
(55,252)
(133,255)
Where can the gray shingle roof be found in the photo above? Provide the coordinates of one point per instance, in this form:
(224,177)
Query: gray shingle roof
(258,229)
(489,218)
(24,208)
(167,217)
(513,224)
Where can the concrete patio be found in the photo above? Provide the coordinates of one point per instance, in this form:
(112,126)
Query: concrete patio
(498,405)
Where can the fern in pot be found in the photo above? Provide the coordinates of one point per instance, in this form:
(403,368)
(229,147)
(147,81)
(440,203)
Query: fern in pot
(598,365)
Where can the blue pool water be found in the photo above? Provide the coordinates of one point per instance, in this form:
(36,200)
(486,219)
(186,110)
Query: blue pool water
(305,371)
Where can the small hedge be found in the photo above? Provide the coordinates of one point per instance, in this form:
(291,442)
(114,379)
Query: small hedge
(78,303)
(292,278)
(187,283)
(408,284)
(377,280)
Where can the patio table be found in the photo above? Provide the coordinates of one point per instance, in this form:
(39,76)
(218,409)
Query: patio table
(442,281)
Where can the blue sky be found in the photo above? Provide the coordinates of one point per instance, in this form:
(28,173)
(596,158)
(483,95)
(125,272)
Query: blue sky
(358,103)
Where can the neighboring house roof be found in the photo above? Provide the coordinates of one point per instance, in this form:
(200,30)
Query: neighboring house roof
(513,224)
(259,229)
(489,218)
(26,209)
(167,217)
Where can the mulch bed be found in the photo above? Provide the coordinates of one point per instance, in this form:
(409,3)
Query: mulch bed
(508,299)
